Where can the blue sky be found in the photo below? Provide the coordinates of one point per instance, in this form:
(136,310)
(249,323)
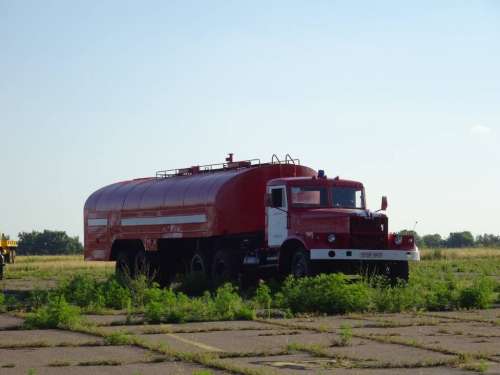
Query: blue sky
(403,97)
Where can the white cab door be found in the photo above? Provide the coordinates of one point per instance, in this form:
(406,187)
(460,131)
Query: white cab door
(277,215)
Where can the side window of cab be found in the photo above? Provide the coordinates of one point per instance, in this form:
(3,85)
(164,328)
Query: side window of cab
(277,197)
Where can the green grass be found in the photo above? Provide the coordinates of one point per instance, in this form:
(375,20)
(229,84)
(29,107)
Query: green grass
(443,283)
(55,267)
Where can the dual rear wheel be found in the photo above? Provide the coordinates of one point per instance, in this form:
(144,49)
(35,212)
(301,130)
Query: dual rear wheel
(223,266)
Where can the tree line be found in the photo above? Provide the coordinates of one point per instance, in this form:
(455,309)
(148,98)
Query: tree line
(455,239)
(48,242)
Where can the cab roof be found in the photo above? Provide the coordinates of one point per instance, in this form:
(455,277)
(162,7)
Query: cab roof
(315,181)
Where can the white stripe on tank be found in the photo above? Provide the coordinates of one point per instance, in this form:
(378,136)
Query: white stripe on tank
(163,220)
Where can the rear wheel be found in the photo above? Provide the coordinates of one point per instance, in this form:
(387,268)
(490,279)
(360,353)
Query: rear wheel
(301,264)
(225,267)
(199,264)
(144,265)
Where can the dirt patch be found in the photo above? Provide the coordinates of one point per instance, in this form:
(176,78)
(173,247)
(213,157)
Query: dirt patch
(8,321)
(305,364)
(380,353)
(253,341)
(326,323)
(171,368)
(457,337)
(106,319)
(47,336)
(15,286)
(24,359)
(191,327)
(490,314)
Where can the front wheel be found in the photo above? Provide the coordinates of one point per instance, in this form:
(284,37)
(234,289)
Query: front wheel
(301,264)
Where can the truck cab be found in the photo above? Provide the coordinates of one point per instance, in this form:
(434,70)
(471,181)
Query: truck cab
(321,224)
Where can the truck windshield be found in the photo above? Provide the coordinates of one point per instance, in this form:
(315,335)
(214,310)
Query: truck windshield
(346,197)
(313,196)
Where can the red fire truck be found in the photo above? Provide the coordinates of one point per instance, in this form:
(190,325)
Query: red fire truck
(226,220)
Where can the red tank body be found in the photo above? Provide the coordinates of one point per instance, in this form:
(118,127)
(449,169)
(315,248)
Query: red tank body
(219,203)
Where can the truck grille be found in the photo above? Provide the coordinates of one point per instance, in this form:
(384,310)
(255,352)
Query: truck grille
(368,233)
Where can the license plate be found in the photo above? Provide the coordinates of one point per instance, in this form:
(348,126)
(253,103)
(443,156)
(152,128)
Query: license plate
(371,254)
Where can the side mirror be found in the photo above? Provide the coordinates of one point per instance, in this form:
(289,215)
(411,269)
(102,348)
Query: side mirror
(383,206)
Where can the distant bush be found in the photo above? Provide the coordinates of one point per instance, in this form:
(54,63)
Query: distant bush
(48,242)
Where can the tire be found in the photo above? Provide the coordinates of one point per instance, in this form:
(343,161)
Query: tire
(123,266)
(199,264)
(399,271)
(301,264)
(225,267)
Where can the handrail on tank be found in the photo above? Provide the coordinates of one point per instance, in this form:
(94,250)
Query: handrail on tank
(217,167)
(290,160)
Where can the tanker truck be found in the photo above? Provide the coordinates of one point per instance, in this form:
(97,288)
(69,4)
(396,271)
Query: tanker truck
(237,218)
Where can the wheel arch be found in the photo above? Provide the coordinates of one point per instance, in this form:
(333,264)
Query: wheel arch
(129,246)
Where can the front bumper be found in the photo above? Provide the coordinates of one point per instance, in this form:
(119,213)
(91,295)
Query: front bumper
(362,254)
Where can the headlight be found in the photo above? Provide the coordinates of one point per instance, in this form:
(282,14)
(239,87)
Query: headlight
(331,238)
(398,240)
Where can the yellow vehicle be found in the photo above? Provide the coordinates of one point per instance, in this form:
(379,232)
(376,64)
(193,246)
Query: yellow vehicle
(7,252)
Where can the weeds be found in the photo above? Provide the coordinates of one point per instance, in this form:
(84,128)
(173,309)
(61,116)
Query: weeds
(326,293)
(435,287)
(59,364)
(102,362)
(118,338)
(479,295)
(345,335)
(263,298)
(56,314)
(165,305)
